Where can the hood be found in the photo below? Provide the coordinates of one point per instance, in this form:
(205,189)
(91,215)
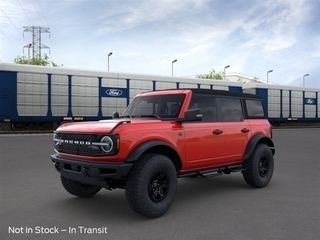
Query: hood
(104,126)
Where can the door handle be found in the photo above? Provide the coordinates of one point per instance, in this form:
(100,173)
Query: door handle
(217,131)
(245,130)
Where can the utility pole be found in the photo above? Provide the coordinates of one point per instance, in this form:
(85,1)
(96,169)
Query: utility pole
(36,40)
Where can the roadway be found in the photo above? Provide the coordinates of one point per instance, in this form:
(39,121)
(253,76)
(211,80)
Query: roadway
(33,202)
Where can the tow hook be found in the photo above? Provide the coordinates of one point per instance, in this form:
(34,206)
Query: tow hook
(86,171)
(56,165)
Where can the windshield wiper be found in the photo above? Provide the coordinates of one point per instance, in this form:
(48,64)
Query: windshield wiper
(127,116)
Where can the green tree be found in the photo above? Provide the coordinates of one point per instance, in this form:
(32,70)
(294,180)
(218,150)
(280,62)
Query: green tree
(211,75)
(44,61)
(255,80)
(241,81)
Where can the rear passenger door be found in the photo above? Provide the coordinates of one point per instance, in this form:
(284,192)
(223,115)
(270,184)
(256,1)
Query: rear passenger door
(236,129)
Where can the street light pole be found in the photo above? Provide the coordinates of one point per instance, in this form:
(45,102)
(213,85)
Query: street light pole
(224,72)
(304,76)
(28,46)
(110,53)
(172,66)
(268,75)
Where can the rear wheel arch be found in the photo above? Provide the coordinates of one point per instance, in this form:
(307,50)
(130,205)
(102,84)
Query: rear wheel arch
(156,146)
(258,139)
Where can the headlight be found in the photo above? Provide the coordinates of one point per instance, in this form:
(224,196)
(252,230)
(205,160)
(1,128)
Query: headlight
(56,140)
(106,144)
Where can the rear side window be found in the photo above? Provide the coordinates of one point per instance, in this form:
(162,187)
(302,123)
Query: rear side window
(254,108)
(231,109)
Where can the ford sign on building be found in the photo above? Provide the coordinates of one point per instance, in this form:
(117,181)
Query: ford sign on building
(310,101)
(114,92)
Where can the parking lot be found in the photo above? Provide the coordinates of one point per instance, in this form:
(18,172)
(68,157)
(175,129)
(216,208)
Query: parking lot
(34,204)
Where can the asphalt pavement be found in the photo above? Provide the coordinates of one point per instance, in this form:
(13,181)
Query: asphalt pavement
(34,205)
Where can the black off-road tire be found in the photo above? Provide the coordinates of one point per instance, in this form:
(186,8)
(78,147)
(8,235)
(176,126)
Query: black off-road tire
(151,185)
(79,189)
(259,167)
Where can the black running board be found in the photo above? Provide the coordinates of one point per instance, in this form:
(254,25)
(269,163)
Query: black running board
(214,172)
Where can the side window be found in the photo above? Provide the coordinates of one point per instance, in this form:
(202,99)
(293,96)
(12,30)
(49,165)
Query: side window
(207,105)
(254,108)
(231,109)
(173,108)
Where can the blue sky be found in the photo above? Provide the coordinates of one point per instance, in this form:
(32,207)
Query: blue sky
(252,36)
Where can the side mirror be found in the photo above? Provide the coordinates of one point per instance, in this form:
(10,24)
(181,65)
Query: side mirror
(115,115)
(193,115)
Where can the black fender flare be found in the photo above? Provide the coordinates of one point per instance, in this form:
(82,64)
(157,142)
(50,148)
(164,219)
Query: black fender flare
(253,142)
(143,147)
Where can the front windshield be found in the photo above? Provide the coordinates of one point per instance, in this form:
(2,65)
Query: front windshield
(162,106)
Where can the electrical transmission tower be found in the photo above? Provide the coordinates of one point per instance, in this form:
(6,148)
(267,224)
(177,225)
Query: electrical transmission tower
(36,40)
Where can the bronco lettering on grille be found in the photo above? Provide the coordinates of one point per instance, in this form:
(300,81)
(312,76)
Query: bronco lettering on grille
(75,142)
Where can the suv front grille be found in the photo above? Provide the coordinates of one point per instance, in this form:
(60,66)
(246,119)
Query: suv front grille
(80,144)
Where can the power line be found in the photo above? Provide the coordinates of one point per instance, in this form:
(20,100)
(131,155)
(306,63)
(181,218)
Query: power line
(25,12)
(10,40)
(14,25)
(5,56)
(44,16)
(13,13)
(51,39)
(38,13)
(36,31)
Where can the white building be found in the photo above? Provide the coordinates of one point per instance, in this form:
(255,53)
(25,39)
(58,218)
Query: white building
(242,78)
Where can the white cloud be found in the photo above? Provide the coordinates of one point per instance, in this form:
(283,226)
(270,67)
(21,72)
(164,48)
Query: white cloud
(145,36)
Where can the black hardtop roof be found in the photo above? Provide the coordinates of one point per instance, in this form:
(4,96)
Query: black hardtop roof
(224,93)
(216,92)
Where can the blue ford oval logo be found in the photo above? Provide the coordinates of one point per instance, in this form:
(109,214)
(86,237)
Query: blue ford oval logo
(114,92)
(309,101)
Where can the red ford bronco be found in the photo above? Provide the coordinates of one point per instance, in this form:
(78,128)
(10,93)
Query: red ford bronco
(162,136)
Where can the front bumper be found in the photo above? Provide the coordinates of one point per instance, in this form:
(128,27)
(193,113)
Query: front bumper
(95,174)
